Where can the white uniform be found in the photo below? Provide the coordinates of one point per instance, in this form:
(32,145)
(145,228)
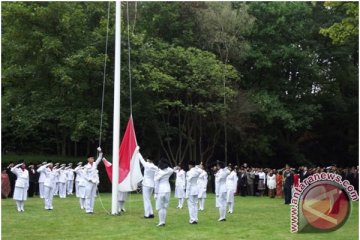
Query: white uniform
(49,184)
(62,183)
(148,185)
(231,185)
(180,186)
(162,192)
(69,181)
(202,183)
(192,192)
(56,184)
(77,179)
(271,181)
(21,186)
(92,180)
(41,184)
(220,191)
(122,197)
(81,183)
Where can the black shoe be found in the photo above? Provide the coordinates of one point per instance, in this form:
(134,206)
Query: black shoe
(151,216)
(161,225)
(148,217)
(194,222)
(222,220)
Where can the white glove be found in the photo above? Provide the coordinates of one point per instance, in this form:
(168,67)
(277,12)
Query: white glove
(99,149)
(18,165)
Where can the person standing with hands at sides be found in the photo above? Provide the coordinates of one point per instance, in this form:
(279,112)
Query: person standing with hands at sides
(42,177)
(231,186)
(69,179)
(21,185)
(62,181)
(202,183)
(92,180)
(180,185)
(271,183)
(80,184)
(49,183)
(192,191)
(288,179)
(221,191)
(162,190)
(148,185)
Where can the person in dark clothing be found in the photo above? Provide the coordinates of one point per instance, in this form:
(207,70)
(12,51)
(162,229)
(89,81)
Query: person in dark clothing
(12,178)
(304,174)
(212,178)
(250,174)
(288,179)
(32,181)
(243,182)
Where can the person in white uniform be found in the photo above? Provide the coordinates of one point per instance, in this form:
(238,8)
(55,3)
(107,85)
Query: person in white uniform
(231,186)
(192,191)
(69,179)
(148,185)
(80,184)
(220,186)
(162,190)
(62,181)
(202,183)
(122,197)
(92,180)
(77,179)
(49,183)
(21,185)
(42,177)
(56,180)
(180,185)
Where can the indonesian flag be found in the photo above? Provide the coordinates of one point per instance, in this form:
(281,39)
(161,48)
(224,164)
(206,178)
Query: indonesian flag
(129,163)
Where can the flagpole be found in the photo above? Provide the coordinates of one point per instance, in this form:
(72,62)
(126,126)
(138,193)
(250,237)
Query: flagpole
(116,124)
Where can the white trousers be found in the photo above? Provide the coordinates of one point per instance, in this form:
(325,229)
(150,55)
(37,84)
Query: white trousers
(62,189)
(20,205)
(90,192)
(41,189)
(69,186)
(201,203)
(222,205)
(193,207)
(48,197)
(162,215)
(77,188)
(181,202)
(147,192)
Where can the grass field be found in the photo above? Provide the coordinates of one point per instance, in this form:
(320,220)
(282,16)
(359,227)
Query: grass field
(253,218)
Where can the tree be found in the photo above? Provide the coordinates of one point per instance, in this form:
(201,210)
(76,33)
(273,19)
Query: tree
(183,87)
(348,27)
(52,82)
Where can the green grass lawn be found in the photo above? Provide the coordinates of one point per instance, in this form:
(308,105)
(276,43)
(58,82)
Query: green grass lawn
(253,218)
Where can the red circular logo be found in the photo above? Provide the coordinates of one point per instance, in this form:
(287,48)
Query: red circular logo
(325,206)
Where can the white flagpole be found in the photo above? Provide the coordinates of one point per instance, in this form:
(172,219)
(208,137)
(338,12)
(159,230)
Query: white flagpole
(116,124)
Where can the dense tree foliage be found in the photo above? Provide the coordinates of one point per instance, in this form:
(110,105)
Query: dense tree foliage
(281,76)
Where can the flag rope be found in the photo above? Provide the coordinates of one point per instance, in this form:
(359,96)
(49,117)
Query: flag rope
(104,73)
(103,94)
(129,58)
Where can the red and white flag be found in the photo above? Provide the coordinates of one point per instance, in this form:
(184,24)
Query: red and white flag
(129,164)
